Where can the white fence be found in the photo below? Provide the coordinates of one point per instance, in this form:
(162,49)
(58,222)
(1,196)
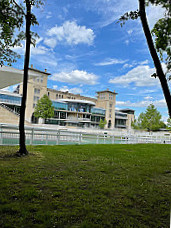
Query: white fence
(9,135)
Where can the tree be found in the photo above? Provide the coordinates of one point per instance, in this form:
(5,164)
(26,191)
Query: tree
(44,108)
(150,120)
(102,123)
(162,36)
(11,18)
(169,123)
(8,33)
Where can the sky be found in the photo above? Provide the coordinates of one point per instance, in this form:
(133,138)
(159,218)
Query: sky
(84,48)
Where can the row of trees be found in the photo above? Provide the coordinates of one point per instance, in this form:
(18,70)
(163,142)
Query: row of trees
(13,16)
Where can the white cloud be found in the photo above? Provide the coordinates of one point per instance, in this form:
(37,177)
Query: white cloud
(148,98)
(75,77)
(126,65)
(140,76)
(74,90)
(144,103)
(110,61)
(39,50)
(54,86)
(126,42)
(71,33)
(51,42)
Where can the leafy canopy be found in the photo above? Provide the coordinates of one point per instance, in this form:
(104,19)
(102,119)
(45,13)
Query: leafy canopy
(161,30)
(102,123)
(150,120)
(44,108)
(169,123)
(12,17)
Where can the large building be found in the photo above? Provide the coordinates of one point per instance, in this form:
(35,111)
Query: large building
(71,110)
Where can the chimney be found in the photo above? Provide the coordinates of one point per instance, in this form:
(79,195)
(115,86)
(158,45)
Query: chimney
(45,70)
(32,66)
(114,91)
(107,89)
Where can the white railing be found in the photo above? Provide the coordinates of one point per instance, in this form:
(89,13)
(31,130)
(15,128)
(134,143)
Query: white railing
(9,135)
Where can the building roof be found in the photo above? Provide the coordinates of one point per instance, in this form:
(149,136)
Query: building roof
(77,101)
(39,71)
(126,109)
(108,91)
(12,76)
(70,94)
(9,93)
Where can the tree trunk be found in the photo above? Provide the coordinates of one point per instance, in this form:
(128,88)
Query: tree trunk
(154,56)
(23,150)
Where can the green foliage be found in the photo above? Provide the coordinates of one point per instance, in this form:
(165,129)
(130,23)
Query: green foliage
(150,120)
(12,17)
(161,30)
(44,108)
(102,123)
(169,123)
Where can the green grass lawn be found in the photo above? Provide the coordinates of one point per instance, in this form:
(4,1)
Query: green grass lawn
(86,186)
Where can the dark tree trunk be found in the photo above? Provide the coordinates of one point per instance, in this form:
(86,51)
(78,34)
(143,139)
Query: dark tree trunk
(23,150)
(159,70)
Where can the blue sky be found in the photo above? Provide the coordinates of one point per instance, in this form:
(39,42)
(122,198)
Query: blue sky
(85,50)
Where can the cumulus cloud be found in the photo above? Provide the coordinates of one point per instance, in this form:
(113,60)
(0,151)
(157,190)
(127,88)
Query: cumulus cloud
(110,61)
(75,77)
(74,90)
(70,33)
(39,50)
(54,86)
(51,42)
(140,76)
(144,103)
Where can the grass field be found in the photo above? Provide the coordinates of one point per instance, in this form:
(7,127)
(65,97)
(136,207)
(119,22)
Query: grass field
(86,186)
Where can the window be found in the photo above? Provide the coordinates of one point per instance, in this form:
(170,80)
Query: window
(41,79)
(109,115)
(62,96)
(36,98)
(48,94)
(36,91)
(110,97)
(56,96)
(110,105)
(110,110)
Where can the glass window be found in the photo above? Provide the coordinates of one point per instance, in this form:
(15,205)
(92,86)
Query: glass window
(36,91)
(5,98)
(98,111)
(60,105)
(36,98)
(41,79)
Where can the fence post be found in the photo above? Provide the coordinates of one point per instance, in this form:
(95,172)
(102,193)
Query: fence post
(32,136)
(113,139)
(97,139)
(46,138)
(1,139)
(58,137)
(80,138)
(104,141)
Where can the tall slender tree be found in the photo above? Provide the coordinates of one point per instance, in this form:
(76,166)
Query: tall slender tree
(162,40)
(14,15)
